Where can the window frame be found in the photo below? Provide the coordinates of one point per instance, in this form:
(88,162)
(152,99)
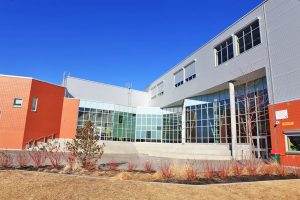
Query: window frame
(153,91)
(288,134)
(36,104)
(220,47)
(182,81)
(160,84)
(190,64)
(249,25)
(15,105)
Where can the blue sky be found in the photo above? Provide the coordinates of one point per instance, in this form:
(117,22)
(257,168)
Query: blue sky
(110,41)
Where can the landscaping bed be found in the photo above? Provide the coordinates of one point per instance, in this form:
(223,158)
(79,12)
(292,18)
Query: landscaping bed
(194,172)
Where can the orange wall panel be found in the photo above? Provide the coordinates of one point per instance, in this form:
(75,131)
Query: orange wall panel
(46,120)
(69,118)
(291,123)
(13,119)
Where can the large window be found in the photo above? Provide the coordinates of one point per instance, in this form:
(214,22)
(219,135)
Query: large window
(178,77)
(293,143)
(18,102)
(249,37)
(224,51)
(190,72)
(34,104)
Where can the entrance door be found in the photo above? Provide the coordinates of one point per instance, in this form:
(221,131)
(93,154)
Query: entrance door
(261,147)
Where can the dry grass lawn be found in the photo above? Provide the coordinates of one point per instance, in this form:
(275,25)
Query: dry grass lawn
(34,185)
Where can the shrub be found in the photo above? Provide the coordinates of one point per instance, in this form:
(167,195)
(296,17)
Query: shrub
(6,160)
(236,168)
(22,159)
(70,159)
(208,170)
(148,166)
(37,156)
(251,167)
(89,165)
(85,146)
(131,166)
(53,153)
(165,169)
(280,170)
(223,170)
(191,170)
(112,165)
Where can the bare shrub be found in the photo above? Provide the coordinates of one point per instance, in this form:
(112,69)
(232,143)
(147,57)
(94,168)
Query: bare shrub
(251,167)
(236,168)
(208,169)
(165,169)
(6,159)
(22,159)
(37,156)
(89,165)
(131,166)
(191,170)
(112,165)
(85,146)
(148,166)
(54,154)
(70,159)
(223,170)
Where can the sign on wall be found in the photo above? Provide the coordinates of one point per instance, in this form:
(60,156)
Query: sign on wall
(281,114)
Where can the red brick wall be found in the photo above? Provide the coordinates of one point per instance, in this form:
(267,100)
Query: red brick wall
(13,120)
(69,118)
(291,123)
(46,120)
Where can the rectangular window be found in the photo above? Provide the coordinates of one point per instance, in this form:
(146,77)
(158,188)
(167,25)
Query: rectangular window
(153,92)
(148,134)
(160,89)
(178,77)
(224,51)
(120,119)
(18,102)
(190,71)
(34,104)
(293,143)
(249,37)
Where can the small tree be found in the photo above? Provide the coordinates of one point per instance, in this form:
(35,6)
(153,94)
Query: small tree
(85,146)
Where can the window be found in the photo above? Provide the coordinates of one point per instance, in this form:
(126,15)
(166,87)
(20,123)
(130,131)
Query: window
(293,143)
(249,37)
(148,134)
(224,51)
(160,89)
(34,104)
(18,102)
(190,72)
(120,119)
(178,76)
(153,92)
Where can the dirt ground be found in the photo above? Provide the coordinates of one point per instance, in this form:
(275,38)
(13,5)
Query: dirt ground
(35,185)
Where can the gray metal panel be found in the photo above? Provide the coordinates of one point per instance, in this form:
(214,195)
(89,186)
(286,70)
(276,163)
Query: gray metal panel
(283,21)
(210,76)
(90,90)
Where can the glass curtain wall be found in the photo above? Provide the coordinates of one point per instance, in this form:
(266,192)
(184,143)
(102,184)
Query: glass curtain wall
(115,125)
(172,124)
(209,121)
(148,128)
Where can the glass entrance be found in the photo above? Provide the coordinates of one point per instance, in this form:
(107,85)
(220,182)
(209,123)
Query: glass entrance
(260,144)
